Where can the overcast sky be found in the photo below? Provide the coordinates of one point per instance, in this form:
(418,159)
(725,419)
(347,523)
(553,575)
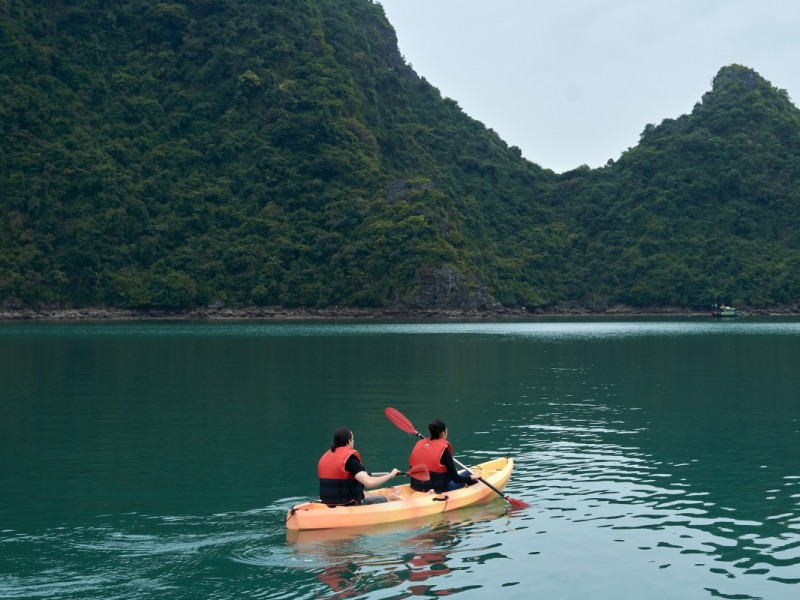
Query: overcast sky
(574,82)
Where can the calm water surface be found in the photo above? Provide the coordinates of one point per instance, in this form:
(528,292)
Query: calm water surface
(157,460)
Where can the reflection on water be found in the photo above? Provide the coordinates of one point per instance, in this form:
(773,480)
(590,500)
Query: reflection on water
(400,555)
(158,460)
(597,328)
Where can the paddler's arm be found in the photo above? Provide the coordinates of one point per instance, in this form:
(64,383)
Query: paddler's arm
(450,465)
(371,481)
(356,469)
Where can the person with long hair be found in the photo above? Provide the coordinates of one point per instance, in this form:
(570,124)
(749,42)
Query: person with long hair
(436,453)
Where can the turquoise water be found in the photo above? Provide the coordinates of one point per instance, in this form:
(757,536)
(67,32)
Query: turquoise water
(660,458)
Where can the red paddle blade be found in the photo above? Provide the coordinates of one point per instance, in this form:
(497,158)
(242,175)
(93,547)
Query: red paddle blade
(400,420)
(419,472)
(516,503)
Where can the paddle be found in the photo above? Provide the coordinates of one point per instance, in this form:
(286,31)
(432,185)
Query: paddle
(417,472)
(402,423)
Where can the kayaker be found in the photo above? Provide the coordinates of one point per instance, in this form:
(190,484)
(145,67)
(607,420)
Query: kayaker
(342,477)
(436,453)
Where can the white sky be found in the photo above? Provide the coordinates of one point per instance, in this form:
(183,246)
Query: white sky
(574,82)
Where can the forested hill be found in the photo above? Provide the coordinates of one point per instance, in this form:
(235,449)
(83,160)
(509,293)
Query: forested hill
(705,207)
(281,152)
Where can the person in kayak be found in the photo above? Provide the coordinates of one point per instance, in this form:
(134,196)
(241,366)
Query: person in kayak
(342,476)
(436,453)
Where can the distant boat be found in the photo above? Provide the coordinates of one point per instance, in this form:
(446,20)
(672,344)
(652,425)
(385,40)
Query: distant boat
(723,311)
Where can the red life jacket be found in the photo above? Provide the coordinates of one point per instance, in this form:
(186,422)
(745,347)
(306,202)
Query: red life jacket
(336,485)
(429,453)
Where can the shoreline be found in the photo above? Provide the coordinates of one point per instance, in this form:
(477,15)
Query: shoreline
(279,313)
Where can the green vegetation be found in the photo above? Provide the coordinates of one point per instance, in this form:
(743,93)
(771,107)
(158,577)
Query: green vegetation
(277,152)
(705,207)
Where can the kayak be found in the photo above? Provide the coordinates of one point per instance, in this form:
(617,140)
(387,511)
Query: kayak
(413,504)
(410,529)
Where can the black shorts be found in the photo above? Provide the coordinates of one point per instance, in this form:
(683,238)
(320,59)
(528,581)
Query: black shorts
(372,500)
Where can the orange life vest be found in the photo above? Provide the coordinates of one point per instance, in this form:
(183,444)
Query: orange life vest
(336,485)
(429,452)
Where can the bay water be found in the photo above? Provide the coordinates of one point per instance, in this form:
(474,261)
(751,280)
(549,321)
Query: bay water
(660,457)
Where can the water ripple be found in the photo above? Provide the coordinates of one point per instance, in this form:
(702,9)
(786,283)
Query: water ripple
(581,477)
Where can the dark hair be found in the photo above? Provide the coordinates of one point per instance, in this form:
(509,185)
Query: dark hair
(341,437)
(436,427)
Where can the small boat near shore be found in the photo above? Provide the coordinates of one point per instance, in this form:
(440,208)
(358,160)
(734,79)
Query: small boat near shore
(413,504)
(722,311)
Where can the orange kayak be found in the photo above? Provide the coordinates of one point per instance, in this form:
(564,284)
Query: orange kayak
(315,515)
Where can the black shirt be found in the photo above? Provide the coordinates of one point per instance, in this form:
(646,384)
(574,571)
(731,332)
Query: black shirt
(450,465)
(353,465)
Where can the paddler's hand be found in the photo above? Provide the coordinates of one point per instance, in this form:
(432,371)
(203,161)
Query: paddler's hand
(396,472)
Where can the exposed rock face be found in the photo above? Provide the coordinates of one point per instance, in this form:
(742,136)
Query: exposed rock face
(401,189)
(445,287)
(736,73)
(734,76)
